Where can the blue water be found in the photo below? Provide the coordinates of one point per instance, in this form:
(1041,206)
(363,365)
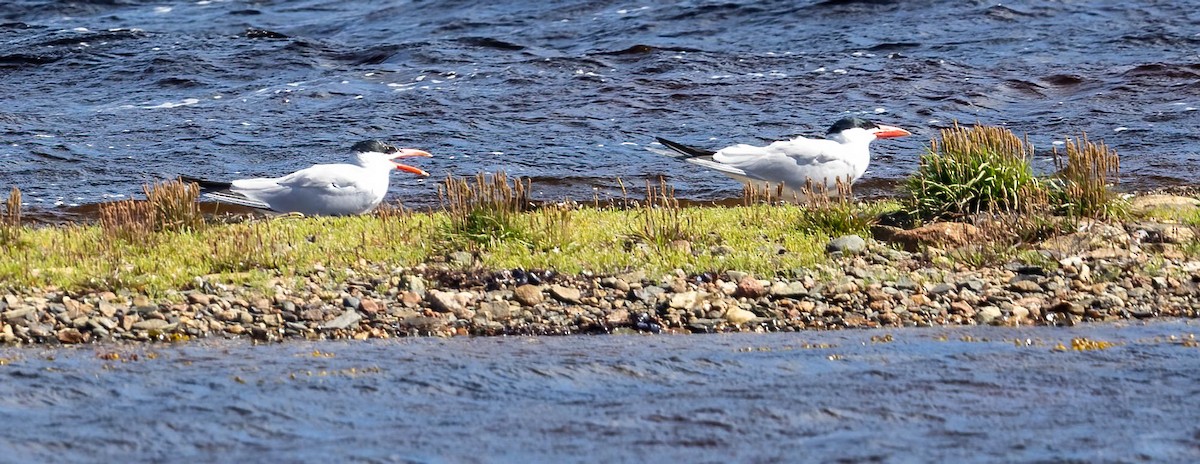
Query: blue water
(981,394)
(100,97)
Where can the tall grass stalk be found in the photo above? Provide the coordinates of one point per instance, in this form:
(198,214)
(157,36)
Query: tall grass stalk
(970,170)
(1083,181)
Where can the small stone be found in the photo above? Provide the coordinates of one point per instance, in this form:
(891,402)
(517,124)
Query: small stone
(750,287)
(528,295)
(445,302)
(150,324)
(347,319)
(351,302)
(987,314)
(1025,286)
(565,294)
(685,300)
(462,258)
(199,298)
(370,306)
(615,283)
(415,284)
(794,289)
(71,336)
(739,316)
(847,244)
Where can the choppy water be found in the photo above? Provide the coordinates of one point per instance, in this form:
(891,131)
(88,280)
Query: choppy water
(99,97)
(923,395)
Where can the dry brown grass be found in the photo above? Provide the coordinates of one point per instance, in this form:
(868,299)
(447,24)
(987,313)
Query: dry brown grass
(169,206)
(484,209)
(10,218)
(661,220)
(1090,169)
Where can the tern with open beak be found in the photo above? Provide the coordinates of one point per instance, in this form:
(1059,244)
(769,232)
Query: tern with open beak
(342,189)
(843,154)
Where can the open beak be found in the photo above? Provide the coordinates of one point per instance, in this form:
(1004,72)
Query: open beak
(888,132)
(410,153)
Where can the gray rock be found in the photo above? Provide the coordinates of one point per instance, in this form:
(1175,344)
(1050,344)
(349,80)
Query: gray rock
(987,314)
(351,302)
(793,289)
(847,244)
(565,294)
(347,319)
(648,295)
(152,324)
(415,284)
(462,258)
(615,283)
(19,315)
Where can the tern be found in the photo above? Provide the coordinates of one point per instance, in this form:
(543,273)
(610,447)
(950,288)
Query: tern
(843,155)
(322,189)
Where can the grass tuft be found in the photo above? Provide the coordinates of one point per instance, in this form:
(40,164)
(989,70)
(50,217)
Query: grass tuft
(661,220)
(10,219)
(1082,185)
(971,170)
(484,211)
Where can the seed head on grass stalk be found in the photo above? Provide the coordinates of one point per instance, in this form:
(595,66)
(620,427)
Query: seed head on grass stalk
(661,220)
(10,218)
(485,210)
(970,170)
(1082,185)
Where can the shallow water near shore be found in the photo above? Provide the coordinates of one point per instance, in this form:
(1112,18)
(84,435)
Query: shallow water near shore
(966,394)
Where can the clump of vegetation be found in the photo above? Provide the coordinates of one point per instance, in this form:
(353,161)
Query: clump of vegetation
(661,220)
(10,218)
(1081,186)
(484,211)
(490,210)
(971,170)
(169,206)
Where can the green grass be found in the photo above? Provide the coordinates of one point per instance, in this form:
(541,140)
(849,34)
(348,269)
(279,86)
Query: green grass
(761,239)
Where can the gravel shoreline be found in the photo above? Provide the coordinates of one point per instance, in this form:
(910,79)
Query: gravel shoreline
(865,284)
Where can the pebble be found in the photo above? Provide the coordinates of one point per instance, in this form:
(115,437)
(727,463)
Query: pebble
(879,289)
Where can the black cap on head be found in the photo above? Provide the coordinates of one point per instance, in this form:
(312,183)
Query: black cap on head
(373,146)
(850,123)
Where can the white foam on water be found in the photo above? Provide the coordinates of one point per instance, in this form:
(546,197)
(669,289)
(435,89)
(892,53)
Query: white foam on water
(163,9)
(1121,129)
(169,105)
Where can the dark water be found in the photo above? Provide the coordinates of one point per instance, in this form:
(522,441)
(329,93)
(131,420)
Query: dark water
(924,395)
(101,96)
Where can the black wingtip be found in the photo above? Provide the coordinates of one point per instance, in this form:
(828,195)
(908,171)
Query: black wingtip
(206,184)
(688,152)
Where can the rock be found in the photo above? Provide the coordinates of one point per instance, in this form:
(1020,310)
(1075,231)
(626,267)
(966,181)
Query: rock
(370,306)
(71,336)
(19,315)
(344,321)
(1173,204)
(1067,307)
(414,284)
(528,295)
(444,302)
(615,283)
(565,294)
(1025,286)
(199,298)
(739,316)
(151,324)
(461,259)
(793,289)
(685,300)
(937,235)
(351,302)
(847,245)
(749,287)
(987,314)
(1153,232)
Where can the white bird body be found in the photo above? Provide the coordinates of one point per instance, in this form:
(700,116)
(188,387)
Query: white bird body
(842,156)
(322,189)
